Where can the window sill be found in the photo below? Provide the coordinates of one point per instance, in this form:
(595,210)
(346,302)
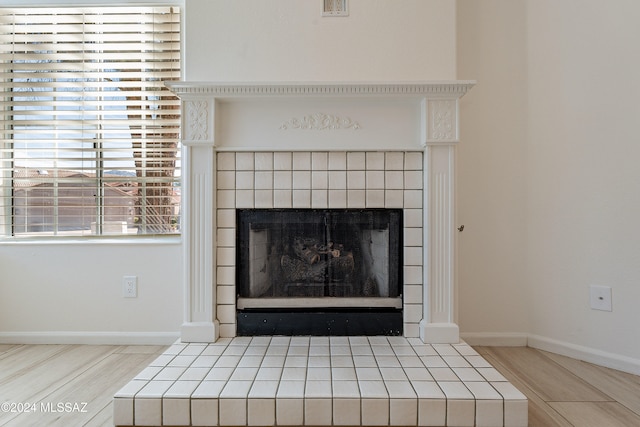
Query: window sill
(107,240)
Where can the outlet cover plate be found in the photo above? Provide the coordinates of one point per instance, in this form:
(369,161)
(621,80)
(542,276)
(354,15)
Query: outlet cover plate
(130,286)
(600,297)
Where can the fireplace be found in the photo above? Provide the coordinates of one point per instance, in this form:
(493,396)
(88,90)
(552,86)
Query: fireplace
(319,147)
(319,271)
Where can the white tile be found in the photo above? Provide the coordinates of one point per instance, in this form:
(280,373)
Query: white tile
(300,341)
(365,361)
(345,389)
(412,275)
(491,374)
(319,160)
(290,389)
(317,412)
(375,412)
(413,256)
(368,374)
(195,373)
(204,412)
(468,374)
(301,180)
(226,180)
(244,374)
(301,161)
(318,374)
(282,199)
(226,275)
(249,360)
(147,412)
(412,312)
(154,389)
(413,218)
(236,389)
(225,256)
(232,411)
(478,362)
(394,180)
(319,361)
(400,389)
(343,374)
(375,160)
(413,236)
(226,161)
(208,389)
(273,360)
(356,161)
(282,180)
(176,412)
(356,180)
(123,411)
(375,198)
(338,180)
(393,199)
(227,236)
(394,160)
(263,161)
(375,180)
(302,199)
(433,362)
(264,180)
(319,199)
(294,373)
(443,374)
(245,161)
(489,405)
(282,161)
(219,373)
(413,180)
(413,199)
(341,362)
(261,412)
(337,160)
(418,374)
(226,218)
(461,412)
(413,160)
(318,389)
(290,412)
(373,389)
(403,412)
(361,350)
(266,373)
(456,361)
(356,199)
(264,389)
(319,180)
(263,199)
(387,361)
(226,199)
(393,374)
(244,199)
(162,360)
(346,411)
(337,199)
(131,388)
(245,180)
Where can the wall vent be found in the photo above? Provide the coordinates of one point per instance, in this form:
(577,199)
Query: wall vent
(335,8)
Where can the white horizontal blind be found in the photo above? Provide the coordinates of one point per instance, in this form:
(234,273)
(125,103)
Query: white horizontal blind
(90,134)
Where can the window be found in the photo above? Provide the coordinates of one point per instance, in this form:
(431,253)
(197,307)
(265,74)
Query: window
(90,134)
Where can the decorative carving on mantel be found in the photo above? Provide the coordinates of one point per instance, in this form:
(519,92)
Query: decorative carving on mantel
(442,120)
(196,120)
(320,121)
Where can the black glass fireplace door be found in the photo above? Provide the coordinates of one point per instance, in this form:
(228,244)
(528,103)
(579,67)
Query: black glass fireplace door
(319,272)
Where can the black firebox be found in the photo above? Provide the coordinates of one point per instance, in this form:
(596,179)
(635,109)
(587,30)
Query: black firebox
(319,271)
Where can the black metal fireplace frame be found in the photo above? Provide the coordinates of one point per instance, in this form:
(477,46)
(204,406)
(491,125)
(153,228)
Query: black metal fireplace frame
(356,320)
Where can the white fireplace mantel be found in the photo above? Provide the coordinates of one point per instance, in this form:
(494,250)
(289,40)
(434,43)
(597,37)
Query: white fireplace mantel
(352,117)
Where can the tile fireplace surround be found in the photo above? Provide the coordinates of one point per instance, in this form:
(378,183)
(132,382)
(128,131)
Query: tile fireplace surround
(320,146)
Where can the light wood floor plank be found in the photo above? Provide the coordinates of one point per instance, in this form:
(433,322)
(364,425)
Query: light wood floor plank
(597,414)
(26,358)
(91,390)
(621,386)
(546,378)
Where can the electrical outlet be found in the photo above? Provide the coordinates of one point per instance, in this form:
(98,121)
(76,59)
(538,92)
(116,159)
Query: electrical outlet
(600,297)
(130,286)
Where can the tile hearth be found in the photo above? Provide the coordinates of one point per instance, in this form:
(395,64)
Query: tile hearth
(317,381)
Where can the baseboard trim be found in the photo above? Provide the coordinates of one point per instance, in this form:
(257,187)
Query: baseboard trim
(586,354)
(495,339)
(91,338)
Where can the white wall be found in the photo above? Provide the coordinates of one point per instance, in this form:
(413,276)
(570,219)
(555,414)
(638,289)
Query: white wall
(583,178)
(72,292)
(491,168)
(288,40)
(549,176)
